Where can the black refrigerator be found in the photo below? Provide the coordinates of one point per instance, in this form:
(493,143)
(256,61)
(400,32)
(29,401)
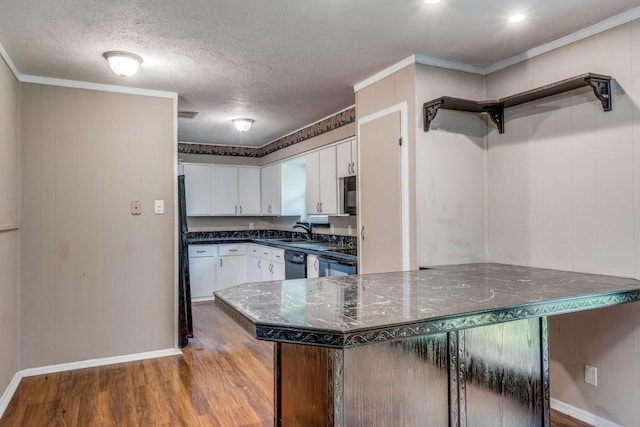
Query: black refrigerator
(185,319)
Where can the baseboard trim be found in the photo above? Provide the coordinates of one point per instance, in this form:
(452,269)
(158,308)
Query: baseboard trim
(581,414)
(8,392)
(92,363)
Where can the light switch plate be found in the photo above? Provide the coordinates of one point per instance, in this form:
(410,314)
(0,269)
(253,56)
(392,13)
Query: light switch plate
(158,207)
(136,207)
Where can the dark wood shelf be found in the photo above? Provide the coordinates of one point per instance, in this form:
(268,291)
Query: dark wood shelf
(600,84)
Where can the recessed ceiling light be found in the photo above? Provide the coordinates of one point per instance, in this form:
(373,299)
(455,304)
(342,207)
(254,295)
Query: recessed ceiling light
(516,17)
(431,1)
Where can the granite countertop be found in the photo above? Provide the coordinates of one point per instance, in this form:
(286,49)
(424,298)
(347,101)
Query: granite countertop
(346,311)
(334,250)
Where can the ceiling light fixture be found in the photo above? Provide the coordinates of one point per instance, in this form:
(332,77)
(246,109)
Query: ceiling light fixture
(124,64)
(516,17)
(431,1)
(242,125)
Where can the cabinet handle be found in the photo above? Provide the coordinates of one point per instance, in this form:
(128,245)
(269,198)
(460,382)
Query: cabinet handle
(320,207)
(233,250)
(315,265)
(362,232)
(220,262)
(259,261)
(349,169)
(200,252)
(240,209)
(271,268)
(236,209)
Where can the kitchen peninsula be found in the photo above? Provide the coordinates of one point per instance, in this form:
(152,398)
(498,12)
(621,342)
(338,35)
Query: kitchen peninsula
(449,346)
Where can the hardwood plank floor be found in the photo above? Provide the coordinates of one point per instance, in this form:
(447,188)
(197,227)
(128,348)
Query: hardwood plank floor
(224,378)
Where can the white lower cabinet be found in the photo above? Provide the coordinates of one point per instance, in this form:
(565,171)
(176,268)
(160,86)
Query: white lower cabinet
(231,267)
(313,269)
(202,271)
(265,264)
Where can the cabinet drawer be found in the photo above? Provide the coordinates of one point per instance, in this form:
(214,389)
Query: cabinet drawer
(264,252)
(277,255)
(232,249)
(201,251)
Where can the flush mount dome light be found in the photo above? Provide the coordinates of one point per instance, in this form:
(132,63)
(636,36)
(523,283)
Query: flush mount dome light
(431,1)
(242,125)
(517,17)
(124,64)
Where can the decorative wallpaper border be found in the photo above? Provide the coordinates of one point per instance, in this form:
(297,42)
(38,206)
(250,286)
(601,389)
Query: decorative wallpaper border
(334,122)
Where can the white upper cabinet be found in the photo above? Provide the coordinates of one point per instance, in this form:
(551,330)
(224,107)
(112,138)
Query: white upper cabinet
(236,190)
(322,182)
(225,190)
(249,191)
(198,191)
(347,155)
(270,190)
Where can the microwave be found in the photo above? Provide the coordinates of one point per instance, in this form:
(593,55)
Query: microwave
(349,199)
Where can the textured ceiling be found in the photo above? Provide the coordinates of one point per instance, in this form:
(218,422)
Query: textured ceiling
(284,63)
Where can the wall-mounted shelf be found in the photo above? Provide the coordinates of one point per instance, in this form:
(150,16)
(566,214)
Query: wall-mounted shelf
(600,84)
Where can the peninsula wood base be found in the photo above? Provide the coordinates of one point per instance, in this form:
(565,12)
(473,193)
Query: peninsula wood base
(491,375)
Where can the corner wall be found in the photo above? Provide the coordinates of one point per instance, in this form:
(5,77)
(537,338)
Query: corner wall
(564,193)
(96,281)
(9,223)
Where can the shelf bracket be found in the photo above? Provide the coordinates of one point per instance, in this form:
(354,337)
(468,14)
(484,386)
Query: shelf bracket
(602,90)
(496,114)
(430,111)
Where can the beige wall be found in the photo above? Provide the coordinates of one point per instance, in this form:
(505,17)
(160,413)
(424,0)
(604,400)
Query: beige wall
(564,192)
(387,92)
(96,281)
(340,224)
(450,177)
(9,220)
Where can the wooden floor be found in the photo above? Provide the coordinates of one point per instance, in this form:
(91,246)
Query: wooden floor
(224,378)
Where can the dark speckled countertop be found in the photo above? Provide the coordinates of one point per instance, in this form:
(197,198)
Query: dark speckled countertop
(345,311)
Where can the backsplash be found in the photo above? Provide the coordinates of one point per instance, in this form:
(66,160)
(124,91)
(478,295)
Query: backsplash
(203,236)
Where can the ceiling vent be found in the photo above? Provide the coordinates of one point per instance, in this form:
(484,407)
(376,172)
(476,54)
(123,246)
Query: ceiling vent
(187,114)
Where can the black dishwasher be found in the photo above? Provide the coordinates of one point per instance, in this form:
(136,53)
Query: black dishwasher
(295,265)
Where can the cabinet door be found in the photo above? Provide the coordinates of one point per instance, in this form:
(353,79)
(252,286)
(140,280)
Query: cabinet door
(277,271)
(343,159)
(354,157)
(253,272)
(266,267)
(270,190)
(202,273)
(197,179)
(313,269)
(225,190)
(231,271)
(313,182)
(248,191)
(328,182)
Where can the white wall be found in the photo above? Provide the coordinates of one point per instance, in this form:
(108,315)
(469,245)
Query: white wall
(564,193)
(450,172)
(9,219)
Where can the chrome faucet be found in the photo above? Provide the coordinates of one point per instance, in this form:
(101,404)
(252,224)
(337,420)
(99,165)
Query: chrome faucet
(306,226)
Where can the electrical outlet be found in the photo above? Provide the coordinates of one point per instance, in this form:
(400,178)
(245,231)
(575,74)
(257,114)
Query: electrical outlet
(349,230)
(591,375)
(136,207)
(250,226)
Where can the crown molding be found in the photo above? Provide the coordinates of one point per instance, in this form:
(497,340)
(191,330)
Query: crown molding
(10,64)
(599,27)
(77,84)
(385,73)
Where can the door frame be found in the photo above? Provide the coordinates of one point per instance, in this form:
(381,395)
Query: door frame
(403,108)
